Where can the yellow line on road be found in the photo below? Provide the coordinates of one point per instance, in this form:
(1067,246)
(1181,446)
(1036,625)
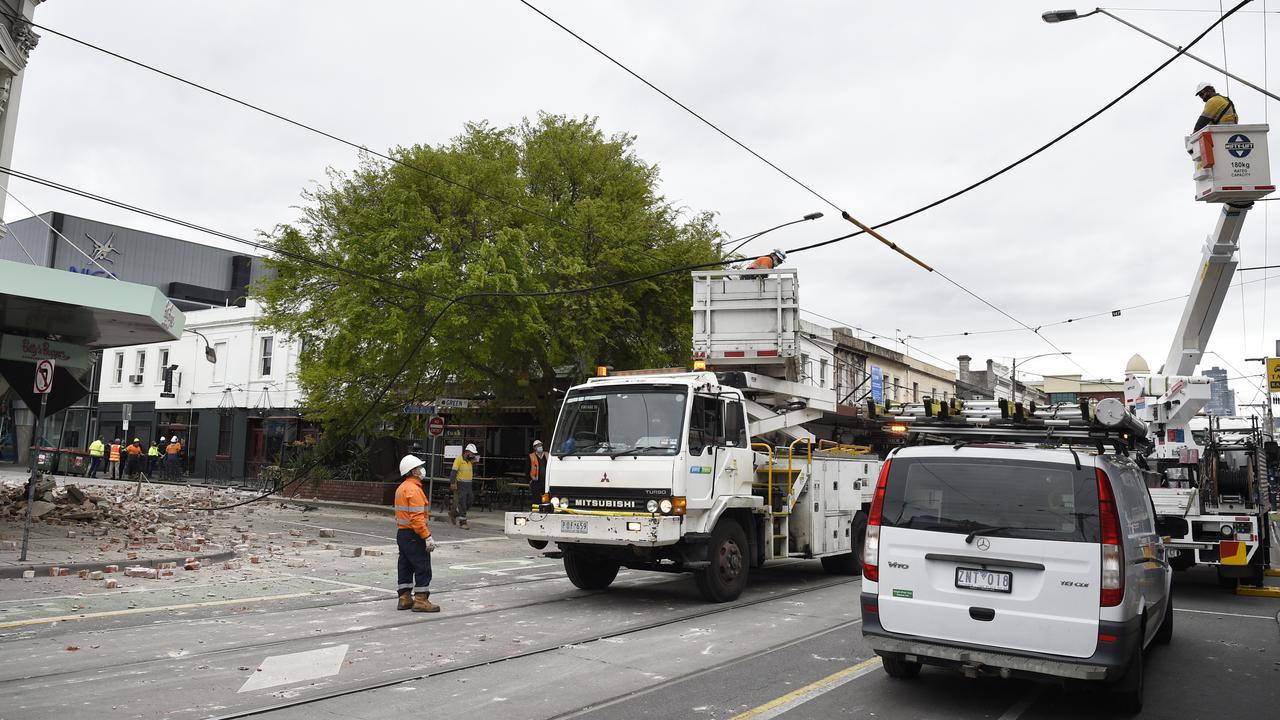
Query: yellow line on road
(775,707)
(161,608)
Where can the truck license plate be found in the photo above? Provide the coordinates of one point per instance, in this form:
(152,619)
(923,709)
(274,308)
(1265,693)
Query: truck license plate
(989,580)
(578,527)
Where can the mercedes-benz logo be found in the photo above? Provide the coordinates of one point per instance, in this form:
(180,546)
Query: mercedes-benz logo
(984,544)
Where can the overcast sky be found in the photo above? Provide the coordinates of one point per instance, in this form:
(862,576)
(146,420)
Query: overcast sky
(881,107)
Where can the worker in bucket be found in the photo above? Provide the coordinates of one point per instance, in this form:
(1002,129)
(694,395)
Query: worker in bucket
(1218,109)
(413,538)
(768,262)
(460,483)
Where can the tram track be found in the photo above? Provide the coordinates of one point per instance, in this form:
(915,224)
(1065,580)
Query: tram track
(583,640)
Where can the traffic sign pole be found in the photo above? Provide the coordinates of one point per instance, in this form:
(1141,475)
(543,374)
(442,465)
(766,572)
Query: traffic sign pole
(31,482)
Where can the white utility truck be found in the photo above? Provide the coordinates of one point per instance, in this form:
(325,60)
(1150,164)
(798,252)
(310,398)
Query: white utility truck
(707,472)
(1211,506)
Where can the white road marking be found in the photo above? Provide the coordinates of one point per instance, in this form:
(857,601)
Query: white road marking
(296,668)
(1024,704)
(796,698)
(1228,614)
(348,584)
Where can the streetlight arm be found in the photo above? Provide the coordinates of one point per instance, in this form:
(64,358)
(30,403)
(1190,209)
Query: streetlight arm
(209,353)
(1057,16)
(753,236)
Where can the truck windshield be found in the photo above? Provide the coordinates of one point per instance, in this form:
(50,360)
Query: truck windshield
(632,420)
(994,497)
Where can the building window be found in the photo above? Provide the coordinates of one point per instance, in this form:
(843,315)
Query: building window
(220,365)
(822,372)
(118,373)
(264,368)
(915,392)
(140,363)
(164,363)
(224,435)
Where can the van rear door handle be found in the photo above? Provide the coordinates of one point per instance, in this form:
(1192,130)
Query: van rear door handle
(983,614)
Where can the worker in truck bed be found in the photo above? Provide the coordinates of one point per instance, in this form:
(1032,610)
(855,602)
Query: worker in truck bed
(1218,109)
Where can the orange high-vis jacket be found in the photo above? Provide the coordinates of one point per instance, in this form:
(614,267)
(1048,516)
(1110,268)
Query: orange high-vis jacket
(764,262)
(533,466)
(115,453)
(134,450)
(411,507)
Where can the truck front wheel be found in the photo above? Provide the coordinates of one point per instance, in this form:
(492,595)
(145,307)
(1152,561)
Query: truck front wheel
(589,573)
(725,577)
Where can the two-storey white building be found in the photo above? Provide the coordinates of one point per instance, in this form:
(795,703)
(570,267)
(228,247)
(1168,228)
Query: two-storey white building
(231,397)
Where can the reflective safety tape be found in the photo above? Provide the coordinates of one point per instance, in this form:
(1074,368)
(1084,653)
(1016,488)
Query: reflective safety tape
(1233,552)
(411,508)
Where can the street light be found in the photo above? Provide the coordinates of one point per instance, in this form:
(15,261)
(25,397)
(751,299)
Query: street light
(1057,16)
(753,236)
(1013,374)
(209,353)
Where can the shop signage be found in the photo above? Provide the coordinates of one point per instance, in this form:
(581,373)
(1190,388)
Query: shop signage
(28,349)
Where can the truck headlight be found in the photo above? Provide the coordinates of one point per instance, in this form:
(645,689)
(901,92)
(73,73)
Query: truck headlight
(1228,530)
(652,506)
(665,506)
(555,502)
(520,521)
(564,504)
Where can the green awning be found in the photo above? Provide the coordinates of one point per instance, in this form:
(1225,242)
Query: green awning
(96,312)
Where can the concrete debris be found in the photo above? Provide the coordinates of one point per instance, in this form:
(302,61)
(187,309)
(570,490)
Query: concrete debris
(8,545)
(296,562)
(95,575)
(328,533)
(40,508)
(111,584)
(353,552)
(75,494)
(28,574)
(372,552)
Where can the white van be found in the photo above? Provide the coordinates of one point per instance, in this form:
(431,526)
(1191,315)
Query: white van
(1015,559)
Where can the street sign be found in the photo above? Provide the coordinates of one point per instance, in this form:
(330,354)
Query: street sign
(1273,375)
(44,377)
(126,414)
(435,426)
(419,409)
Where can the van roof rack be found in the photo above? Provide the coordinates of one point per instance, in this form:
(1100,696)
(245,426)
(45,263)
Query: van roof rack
(1102,423)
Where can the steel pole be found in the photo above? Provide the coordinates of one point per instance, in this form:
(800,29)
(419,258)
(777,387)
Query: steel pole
(31,482)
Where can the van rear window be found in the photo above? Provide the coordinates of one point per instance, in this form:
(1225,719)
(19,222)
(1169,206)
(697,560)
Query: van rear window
(996,497)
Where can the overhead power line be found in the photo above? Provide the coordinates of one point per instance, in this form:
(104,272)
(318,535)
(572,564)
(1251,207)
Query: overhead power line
(865,229)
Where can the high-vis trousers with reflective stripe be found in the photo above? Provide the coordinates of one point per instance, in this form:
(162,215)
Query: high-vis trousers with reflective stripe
(413,569)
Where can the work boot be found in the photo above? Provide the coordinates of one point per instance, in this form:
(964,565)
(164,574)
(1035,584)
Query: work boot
(422,604)
(405,602)
(463,524)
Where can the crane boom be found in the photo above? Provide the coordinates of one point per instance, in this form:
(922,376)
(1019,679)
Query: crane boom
(1208,290)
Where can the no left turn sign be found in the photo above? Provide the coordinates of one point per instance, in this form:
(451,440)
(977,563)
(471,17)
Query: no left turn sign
(44,377)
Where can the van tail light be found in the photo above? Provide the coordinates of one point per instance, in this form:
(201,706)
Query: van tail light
(1112,544)
(871,546)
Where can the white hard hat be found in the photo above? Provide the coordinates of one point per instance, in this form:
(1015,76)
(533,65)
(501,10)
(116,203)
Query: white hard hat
(173,439)
(537,443)
(471,448)
(1201,87)
(409,463)
(781,254)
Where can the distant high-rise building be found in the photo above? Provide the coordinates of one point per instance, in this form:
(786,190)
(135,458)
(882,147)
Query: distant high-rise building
(1222,399)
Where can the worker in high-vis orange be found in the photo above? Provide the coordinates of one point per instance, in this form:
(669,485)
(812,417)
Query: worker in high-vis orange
(767,262)
(413,538)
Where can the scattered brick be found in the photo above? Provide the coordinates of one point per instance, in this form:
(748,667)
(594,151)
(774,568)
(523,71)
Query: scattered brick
(111,569)
(255,559)
(28,574)
(95,575)
(111,584)
(191,565)
(296,562)
(8,545)
(328,533)
(295,532)
(352,552)
(371,552)
(83,574)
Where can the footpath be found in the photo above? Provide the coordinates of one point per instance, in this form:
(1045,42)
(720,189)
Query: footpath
(100,528)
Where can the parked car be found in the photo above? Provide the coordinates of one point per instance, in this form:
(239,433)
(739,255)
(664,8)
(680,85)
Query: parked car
(1015,560)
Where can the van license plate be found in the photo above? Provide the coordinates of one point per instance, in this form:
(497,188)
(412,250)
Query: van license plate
(578,527)
(989,580)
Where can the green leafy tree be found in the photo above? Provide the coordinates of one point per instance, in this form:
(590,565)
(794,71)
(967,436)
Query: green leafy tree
(439,240)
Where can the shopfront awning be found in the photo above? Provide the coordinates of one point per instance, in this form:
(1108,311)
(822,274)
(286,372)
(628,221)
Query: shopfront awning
(48,314)
(94,312)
